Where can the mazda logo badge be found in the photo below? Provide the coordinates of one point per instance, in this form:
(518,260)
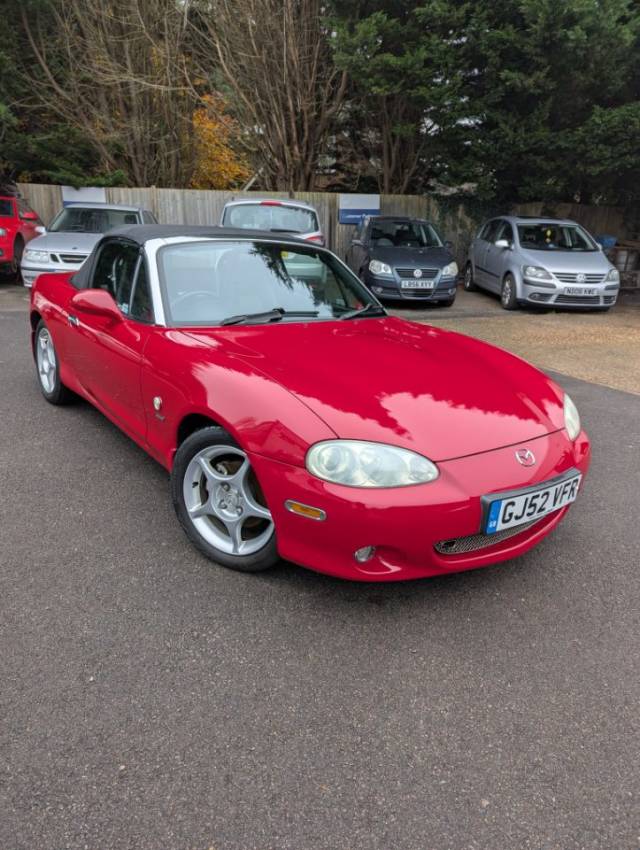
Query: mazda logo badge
(417,272)
(526,457)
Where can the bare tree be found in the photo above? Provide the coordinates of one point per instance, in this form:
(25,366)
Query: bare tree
(117,71)
(275,57)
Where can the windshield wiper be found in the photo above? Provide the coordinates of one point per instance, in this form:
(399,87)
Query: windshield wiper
(367,310)
(275,315)
(283,230)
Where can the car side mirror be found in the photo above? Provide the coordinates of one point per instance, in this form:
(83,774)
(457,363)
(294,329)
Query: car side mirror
(503,243)
(28,216)
(448,244)
(96,302)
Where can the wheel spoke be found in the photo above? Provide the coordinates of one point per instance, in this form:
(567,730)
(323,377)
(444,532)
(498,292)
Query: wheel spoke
(210,474)
(200,510)
(234,528)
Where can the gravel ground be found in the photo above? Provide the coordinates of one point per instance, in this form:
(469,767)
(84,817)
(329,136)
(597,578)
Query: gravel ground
(603,348)
(152,701)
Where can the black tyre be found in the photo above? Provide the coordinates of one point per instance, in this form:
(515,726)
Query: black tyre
(508,295)
(48,368)
(469,283)
(220,504)
(18,250)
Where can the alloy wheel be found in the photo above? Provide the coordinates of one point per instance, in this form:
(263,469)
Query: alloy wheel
(46,360)
(224,502)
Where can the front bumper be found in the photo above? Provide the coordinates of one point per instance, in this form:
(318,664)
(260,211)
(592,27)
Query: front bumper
(606,296)
(31,272)
(406,524)
(391,288)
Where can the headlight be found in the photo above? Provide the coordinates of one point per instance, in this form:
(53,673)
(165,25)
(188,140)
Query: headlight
(3,232)
(571,417)
(613,276)
(536,272)
(376,267)
(37,256)
(359,464)
(450,271)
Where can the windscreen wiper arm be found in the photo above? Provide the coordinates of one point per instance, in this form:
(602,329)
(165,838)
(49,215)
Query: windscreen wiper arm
(367,310)
(275,315)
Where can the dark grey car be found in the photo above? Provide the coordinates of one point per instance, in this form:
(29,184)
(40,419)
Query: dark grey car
(399,257)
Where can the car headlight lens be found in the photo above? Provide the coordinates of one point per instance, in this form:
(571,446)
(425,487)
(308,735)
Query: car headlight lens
(613,276)
(355,463)
(450,271)
(37,256)
(376,267)
(571,417)
(3,232)
(536,272)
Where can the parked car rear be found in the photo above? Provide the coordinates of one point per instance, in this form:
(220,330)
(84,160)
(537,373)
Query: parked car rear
(541,261)
(70,237)
(295,217)
(19,225)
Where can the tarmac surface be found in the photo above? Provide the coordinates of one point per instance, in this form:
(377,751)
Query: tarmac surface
(150,700)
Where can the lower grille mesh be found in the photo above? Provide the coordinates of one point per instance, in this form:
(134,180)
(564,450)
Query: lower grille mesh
(473,542)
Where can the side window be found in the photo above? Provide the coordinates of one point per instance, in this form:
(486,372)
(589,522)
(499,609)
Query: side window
(505,231)
(114,271)
(490,229)
(141,302)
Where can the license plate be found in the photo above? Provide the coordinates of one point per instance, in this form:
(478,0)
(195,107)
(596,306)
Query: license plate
(417,284)
(580,290)
(507,510)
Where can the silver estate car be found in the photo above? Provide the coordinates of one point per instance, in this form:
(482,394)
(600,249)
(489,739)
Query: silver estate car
(541,261)
(70,237)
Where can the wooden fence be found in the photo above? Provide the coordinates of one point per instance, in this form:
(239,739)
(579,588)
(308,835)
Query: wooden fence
(194,206)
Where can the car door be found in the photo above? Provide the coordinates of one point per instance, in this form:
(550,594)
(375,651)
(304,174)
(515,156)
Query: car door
(29,221)
(498,257)
(106,354)
(486,259)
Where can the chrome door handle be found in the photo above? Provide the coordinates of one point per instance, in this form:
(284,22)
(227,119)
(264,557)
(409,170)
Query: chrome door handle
(73,321)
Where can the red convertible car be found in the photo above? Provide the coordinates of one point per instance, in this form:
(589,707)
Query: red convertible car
(299,420)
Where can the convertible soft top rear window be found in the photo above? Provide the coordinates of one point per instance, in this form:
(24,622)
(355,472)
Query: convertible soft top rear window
(207,282)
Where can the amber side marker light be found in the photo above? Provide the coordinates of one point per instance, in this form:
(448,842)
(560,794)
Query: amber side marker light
(305,510)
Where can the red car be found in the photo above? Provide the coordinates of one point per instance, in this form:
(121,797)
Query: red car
(18,225)
(299,420)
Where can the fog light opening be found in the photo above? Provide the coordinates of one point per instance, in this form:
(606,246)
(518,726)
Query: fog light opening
(364,554)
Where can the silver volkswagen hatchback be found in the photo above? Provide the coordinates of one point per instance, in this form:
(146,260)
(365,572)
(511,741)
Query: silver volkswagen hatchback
(541,261)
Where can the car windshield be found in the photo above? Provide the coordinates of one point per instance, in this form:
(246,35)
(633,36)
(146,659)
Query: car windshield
(271,216)
(6,208)
(207,282)
(551,236)
(91,220)
(389,233)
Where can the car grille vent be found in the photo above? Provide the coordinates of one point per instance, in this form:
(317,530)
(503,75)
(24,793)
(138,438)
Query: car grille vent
(460,545)
(572,277)
(427,274)
(609,299)
(578,299)
(73,259)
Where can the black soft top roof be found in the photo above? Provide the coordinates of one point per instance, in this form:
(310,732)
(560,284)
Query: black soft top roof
(142,233)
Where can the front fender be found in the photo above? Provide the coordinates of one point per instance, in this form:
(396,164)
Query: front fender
(192,378)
